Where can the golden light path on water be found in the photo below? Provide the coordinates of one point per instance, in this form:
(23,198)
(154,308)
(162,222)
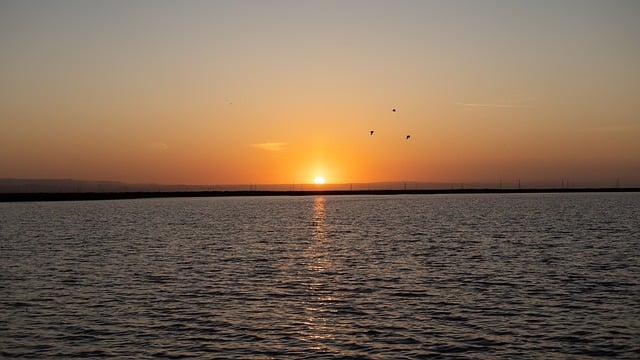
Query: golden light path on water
(318,326)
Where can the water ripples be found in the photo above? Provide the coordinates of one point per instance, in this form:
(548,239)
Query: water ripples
(358,277)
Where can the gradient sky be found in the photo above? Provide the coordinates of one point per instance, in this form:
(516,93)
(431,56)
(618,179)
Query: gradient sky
(224,92)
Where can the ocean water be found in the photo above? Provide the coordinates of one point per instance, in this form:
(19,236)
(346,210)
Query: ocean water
(333,277)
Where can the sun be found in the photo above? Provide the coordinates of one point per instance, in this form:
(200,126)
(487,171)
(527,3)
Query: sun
(319,180)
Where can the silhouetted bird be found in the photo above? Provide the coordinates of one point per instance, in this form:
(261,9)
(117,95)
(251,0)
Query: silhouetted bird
(408,137)
(371,132)
(394,110)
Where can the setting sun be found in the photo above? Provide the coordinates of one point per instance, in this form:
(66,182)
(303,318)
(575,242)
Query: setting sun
(319,180)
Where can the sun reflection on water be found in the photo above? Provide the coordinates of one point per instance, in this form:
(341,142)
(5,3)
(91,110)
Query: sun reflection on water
(319,219)
(319,325)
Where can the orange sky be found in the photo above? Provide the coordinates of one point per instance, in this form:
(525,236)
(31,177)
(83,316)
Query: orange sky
(264,92)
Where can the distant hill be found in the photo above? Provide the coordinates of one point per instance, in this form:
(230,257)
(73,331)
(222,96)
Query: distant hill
(58,186)
(75,186)
(8,186)
(88,186)
(84,186)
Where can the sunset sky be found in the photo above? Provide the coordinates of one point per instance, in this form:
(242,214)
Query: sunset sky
(266,92)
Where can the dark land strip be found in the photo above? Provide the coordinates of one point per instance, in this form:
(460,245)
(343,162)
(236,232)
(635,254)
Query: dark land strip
(78,196)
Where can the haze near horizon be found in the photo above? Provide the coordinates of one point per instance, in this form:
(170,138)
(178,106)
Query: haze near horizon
(283,92)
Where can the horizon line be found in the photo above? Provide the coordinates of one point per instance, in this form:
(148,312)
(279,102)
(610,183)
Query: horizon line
(124,195)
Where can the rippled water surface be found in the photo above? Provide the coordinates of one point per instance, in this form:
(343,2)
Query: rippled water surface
(368,277)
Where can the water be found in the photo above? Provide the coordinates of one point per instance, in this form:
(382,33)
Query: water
(362,277)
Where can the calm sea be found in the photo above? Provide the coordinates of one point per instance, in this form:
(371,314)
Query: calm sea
(352,277)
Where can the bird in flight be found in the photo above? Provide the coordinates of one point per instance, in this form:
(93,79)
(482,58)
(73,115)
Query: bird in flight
(371,132)
(408,137)
(394,109)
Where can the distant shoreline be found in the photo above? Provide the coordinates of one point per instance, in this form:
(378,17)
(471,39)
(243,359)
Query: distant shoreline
(84,196)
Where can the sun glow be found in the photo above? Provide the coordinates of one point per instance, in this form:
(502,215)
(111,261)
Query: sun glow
(319,180)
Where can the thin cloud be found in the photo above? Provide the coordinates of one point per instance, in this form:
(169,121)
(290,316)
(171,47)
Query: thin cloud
(491,105)
(157,146)
(610,129)
(270,146)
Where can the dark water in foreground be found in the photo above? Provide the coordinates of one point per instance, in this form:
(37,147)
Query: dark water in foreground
(367,277)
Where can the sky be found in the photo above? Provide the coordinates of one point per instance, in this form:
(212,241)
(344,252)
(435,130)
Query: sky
(281,92)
